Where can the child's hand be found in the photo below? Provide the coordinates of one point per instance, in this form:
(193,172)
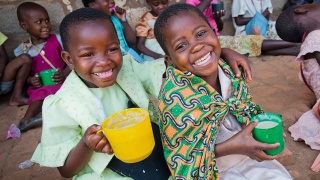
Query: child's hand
(244,143)
(120,13)
(58,76)
(35,81)
(97,141)
(219,14)
(256,30)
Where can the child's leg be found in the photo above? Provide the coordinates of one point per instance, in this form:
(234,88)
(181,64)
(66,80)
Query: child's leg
(18,70)
(316,164)
(30,120)
(279,47)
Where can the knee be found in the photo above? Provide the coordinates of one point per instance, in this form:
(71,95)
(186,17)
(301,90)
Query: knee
(25,58)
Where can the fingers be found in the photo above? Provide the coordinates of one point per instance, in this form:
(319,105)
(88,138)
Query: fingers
(247,70)
(316,164)
(96,140)
(57,76)
(248,129)
(219,14)
(35,80)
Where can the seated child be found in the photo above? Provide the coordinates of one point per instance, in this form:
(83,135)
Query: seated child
(13,75)
(34,19)
(244,10)
(302,24)
(254,45)
(146,25)
(101,82)
(204,106)
(118,16)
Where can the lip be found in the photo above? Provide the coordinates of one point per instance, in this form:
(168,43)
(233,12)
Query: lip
(204,60)
(104,75)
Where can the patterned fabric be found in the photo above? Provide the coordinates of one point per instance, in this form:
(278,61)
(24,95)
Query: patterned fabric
(243,44)
(191,113)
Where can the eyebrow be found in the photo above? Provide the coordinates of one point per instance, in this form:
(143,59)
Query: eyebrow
(198,27)
(86,48)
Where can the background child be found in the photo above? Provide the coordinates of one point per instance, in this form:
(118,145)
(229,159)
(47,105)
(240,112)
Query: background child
(101,83)
(118,16)
(203,105)
(254,45)
(302,24)
(146,42)
(13,75)
(244,10)
(34,19)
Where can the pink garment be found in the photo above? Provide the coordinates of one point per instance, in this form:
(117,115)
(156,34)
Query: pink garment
(207,12)
(308,126)
(52,50)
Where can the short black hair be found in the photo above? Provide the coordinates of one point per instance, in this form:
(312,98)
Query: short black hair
(289,27)
(167,14)
(77,17)
(86,2)
(27,6)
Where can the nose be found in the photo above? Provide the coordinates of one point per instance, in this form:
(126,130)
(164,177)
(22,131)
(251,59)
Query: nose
(161,6)
(197,47)
(102,60)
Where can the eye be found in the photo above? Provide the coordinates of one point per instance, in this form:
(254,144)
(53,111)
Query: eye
(38,22)
(47,20)
(201,33)
(89,54)
(181,46)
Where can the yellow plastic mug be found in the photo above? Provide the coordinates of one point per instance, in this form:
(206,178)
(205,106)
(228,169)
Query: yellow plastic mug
(130,134)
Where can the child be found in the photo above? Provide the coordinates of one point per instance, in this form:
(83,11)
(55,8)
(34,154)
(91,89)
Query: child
(118,16)
(200,104)
(34,19)
(13,75)
(244,10)
(302,24)
(254,45)
(149,45)
(101,83)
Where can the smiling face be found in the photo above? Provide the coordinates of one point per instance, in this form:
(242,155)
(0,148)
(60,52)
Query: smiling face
(37,23)
(94,53)
(106,6)
(192,45)
(157,6)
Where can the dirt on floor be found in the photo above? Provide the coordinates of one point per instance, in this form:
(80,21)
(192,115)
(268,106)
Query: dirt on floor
(275,87)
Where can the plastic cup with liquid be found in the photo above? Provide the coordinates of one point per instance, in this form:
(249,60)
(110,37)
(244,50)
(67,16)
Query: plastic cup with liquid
(130,134)
(46,77)
(269,130)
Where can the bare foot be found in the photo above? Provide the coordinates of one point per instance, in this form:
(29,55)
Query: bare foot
(18,100)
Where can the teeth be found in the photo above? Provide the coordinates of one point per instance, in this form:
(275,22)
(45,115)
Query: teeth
(203,60)
(102,73)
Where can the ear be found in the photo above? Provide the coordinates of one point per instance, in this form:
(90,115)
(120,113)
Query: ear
(168,60)
(23,25)
(301,10)
(67,59)
(91,4)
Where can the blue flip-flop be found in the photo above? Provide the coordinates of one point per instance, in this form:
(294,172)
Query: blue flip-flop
(33,122)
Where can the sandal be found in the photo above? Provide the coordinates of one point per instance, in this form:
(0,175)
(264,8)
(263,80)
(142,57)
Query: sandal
(33,122)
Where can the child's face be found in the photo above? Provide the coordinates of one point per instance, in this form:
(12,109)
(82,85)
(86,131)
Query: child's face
(94,53)
(157,6)
(37,23)
(106,6)
(192,45)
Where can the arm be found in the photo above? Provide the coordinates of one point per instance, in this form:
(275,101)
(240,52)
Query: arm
(3,60)
(142,48)
(241,21)
(234,60)
(129,33)
(243,143)
(217,18)
(266,13)
(79,157)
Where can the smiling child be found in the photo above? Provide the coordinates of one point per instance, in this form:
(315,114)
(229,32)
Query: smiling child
(203,106)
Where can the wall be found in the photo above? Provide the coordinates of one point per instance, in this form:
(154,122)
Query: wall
(57,9)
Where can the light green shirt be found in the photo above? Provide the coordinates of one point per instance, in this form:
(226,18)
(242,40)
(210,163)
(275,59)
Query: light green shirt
(75,107)
(3,38)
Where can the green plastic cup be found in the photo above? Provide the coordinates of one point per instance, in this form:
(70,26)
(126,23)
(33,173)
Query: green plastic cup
(46,78)
(269,130)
